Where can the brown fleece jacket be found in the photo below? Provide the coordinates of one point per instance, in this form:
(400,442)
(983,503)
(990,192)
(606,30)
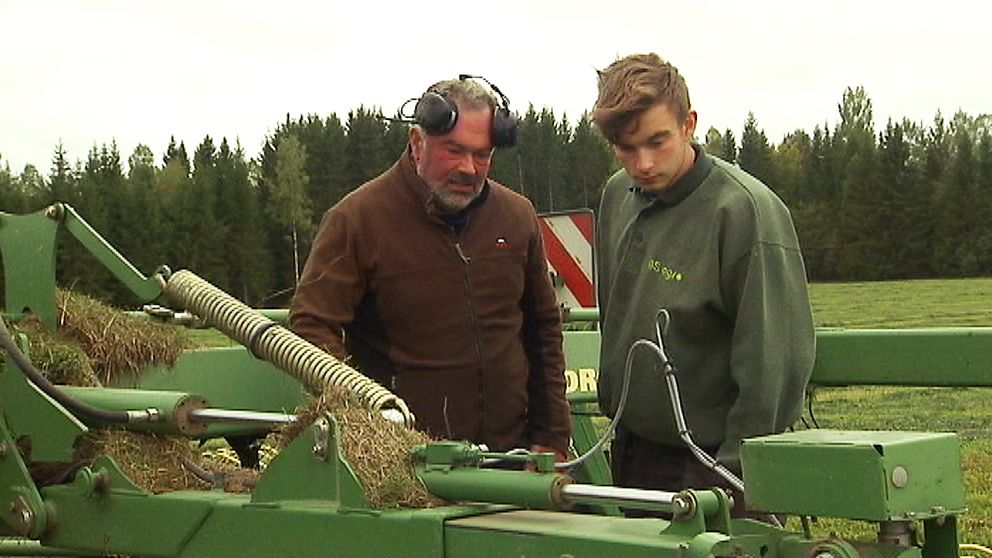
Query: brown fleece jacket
(462,324)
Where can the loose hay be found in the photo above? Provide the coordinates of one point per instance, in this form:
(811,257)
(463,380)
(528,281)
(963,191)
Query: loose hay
(95,343)
(379,451)
(116,342)
(154,463)
(160,464)
(60,360)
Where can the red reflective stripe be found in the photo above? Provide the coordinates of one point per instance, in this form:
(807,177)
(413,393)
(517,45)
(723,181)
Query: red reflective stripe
(583,222)
(565,265)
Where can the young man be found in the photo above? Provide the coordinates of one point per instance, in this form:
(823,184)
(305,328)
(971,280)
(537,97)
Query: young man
(681,230)
(433,280)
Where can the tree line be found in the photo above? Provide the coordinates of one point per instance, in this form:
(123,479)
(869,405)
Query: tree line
(911,201)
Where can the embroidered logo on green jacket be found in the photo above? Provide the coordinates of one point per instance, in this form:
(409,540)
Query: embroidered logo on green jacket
(666,272)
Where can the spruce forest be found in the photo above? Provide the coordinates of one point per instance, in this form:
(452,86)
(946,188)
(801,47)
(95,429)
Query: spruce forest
(871,202)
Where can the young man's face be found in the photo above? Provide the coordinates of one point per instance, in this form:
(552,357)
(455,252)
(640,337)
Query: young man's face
(656,149)
(455,165)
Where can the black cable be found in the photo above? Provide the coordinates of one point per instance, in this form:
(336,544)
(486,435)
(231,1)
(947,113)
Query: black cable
(65,474)
(42,383)
(197,471)
(214,479)
(503,98)
(809,407)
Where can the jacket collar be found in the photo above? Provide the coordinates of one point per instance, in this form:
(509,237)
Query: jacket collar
(684,186)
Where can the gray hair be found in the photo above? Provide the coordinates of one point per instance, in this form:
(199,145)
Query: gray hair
(466,93)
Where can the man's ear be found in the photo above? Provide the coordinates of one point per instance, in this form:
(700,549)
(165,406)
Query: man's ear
(689,126)
(416,139)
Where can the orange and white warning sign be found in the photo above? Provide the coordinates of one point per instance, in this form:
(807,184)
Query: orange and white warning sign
(568,242)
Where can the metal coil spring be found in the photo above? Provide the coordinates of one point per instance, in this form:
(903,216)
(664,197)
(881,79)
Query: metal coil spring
(270,341)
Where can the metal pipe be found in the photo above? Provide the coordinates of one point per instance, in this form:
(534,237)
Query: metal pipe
(686,435)
(261,418)
(579,397)
(677,410)
(580,314)
(173,407)
(678,503)
(230,416)
(496,486)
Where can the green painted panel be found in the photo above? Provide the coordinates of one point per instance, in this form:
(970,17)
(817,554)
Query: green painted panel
(853,475)
(909,357)
(537,533)
(30,412)
(312,529)
(581,349)
(27,243)
(127,522)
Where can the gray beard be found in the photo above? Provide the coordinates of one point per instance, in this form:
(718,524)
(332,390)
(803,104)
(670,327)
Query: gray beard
(449,202)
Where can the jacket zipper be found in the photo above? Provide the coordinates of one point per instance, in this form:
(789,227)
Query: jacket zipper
(467,285)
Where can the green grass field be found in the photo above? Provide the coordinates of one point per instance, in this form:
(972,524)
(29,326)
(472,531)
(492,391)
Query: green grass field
(899,304)
(967,411)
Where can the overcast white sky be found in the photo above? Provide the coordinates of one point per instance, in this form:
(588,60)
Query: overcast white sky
(88,72)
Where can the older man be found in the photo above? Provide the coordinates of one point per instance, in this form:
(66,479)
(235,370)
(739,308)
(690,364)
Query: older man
(432,279)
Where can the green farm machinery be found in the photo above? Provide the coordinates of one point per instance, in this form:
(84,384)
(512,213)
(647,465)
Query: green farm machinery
(308,499)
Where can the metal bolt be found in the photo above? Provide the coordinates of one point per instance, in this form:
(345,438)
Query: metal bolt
(54,212)
(683,506)
(23,517)
(900,477)
(101,481)
(321,433)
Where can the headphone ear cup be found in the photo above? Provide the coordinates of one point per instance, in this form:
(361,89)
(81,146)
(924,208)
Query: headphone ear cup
(435,114)
(504,128)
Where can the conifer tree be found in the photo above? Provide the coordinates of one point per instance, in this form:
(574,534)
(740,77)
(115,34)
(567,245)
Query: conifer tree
(364,153)
(239,213)
(755,155)
(61,180)
(589,164)
(861,206)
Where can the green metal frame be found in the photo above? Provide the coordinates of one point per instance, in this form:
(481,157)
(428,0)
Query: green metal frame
(309,502)
(28,243)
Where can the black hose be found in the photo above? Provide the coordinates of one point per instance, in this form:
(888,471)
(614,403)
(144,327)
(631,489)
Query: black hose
(214,479)
(42,383)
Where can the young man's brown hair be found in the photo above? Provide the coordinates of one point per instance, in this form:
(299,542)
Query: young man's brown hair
(632,85)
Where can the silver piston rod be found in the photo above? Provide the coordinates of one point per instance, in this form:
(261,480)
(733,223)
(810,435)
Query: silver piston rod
(678,503)
(269,341)
(231,416)
(261,418)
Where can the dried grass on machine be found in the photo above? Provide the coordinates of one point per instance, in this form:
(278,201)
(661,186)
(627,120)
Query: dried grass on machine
(96,344)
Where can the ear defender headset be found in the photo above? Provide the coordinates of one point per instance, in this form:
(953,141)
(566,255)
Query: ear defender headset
(437,115)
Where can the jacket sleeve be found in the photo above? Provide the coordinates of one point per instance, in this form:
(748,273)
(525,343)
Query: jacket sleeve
(331,286)
(549,422)
(772,344)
